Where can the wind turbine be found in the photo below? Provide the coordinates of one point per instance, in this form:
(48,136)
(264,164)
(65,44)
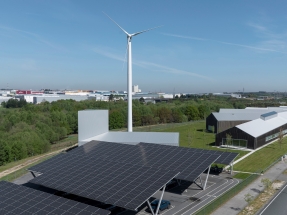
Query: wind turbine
(129,38)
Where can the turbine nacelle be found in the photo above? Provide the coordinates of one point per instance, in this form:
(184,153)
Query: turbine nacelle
(134,34)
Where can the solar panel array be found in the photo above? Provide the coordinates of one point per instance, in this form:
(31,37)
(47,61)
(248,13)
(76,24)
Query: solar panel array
(190,164)
(120,184)
(121,174)
(225,157)
(16,199)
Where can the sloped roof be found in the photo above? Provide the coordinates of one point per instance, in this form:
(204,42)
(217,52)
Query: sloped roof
(259,126)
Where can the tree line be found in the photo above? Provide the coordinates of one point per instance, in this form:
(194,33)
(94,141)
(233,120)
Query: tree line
(27,129)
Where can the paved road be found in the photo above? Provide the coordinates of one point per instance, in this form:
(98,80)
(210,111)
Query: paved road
(237,203)
(278,205)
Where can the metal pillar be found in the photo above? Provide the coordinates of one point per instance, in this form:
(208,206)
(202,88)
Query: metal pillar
(200,186)
(33,174)
(150,207)
(206,178)
(231,168)
(156,213)
(130,106)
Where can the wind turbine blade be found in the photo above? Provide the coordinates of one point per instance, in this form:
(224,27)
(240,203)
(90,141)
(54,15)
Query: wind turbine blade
(117,24)
(137,33)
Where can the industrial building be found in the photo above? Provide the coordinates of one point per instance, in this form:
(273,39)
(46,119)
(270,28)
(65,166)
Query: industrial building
(228,118)
(256,133)
(37,99)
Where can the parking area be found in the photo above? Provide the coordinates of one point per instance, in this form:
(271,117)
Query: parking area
(188,198)
(185,198)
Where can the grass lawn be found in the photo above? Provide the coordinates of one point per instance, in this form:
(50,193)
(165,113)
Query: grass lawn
(12,176)
(263,158)
(191,134)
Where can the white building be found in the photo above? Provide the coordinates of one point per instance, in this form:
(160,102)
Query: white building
(136,89)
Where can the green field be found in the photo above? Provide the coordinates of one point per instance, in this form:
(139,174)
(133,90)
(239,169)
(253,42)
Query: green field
(263,158)
(191,134)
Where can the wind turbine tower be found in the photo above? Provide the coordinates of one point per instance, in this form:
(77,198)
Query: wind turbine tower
(129,68)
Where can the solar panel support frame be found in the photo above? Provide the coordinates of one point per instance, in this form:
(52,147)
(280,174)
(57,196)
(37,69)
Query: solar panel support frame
(200,186)
(159,203)
(204,187)
(158,190)
(33,174)
(148,203)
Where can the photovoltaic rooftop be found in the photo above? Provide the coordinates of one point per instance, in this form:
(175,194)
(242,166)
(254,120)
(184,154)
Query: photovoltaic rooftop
(224,157)
(189,163)
(121,174)
(20,200)
(121,184)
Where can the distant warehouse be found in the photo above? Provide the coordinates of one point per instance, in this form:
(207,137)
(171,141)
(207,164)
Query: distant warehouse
(255,133)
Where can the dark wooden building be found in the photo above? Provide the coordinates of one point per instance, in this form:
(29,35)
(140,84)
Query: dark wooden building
(255,133)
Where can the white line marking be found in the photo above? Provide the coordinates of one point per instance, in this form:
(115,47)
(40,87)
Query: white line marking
(208,198)
(226,181)
(273,200)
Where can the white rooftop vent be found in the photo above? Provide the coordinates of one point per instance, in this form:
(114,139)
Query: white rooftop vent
(269,115)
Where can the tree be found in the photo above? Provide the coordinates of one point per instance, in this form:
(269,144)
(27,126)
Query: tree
(142,100)
(280,137)
(266,183)
(116,119)
(111,97)
(192,113)
(189,137)
(228,139)
(248,198)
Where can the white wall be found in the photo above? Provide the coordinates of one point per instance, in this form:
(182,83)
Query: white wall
(92,123)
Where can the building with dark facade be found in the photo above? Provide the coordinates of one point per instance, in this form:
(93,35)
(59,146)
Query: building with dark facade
(228,118)
(256,133)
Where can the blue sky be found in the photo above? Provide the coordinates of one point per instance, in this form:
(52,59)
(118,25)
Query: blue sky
(203,46)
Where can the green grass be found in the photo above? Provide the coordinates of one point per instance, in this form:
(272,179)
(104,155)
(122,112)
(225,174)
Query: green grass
(191,134)
(263,158)
(14,175)
(241,175)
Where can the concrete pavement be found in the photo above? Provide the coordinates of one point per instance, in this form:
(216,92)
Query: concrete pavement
(237,203)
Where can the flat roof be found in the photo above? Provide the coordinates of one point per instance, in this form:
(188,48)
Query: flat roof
(167,138)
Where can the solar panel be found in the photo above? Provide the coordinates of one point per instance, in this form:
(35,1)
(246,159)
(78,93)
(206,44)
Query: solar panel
(120,184)
(16,199)
(190,164)
(225,157)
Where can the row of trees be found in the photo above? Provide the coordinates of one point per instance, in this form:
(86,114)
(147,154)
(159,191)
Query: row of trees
(27,129)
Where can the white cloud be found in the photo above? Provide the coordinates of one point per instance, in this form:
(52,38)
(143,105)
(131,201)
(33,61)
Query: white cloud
(260,47)
(185,37)
(34,36)
(149,65)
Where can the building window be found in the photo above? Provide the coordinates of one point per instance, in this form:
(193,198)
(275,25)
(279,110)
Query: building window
(234,143)
(274,136)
